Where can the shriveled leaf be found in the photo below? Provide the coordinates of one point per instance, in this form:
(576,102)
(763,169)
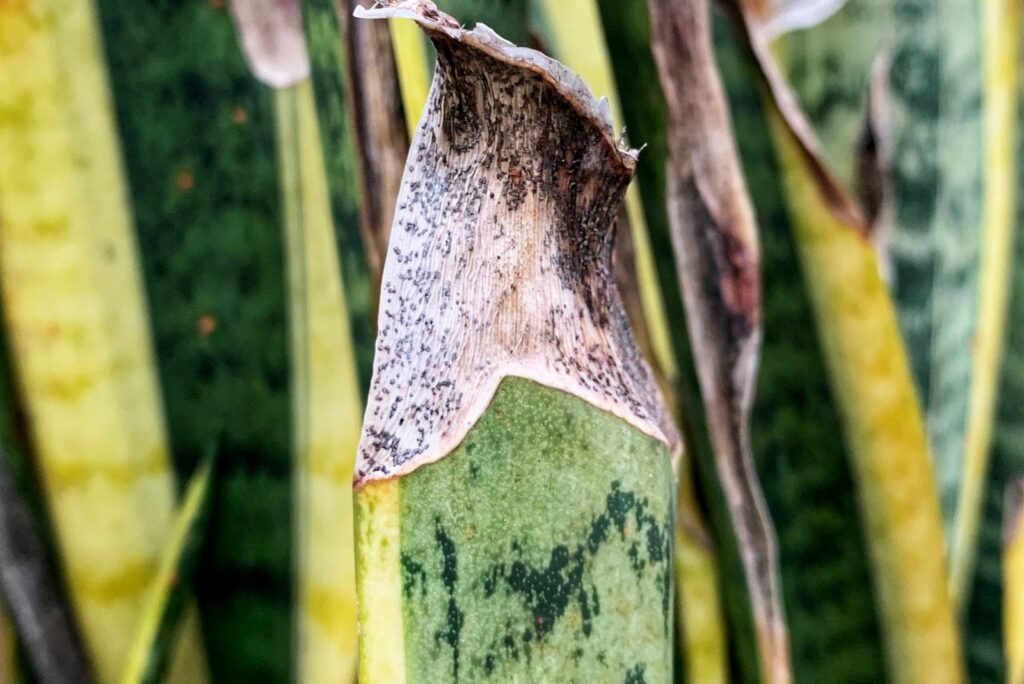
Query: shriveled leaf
(30,593)
(777,17)
(380,134)
(717,254)
(272,40)
(797,440)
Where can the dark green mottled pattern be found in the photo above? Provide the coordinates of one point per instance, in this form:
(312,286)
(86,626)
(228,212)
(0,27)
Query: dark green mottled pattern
(798,444)
(627,35)
(328,64)
(936,85)
(985,656)
(829,67)
(198,139)
(552,562)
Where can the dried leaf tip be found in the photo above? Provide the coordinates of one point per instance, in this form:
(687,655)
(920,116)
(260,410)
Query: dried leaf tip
(500,261)
(567,83)
(760,22)
(776,18)
(272,40)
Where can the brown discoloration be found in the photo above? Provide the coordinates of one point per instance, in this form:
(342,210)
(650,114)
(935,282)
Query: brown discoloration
(380,134)
(753,31)
(715,240)
(874,185)
(500,255)
(272,40)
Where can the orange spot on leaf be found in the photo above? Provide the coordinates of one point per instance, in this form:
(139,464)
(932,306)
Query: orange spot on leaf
(206,325)
(185,181)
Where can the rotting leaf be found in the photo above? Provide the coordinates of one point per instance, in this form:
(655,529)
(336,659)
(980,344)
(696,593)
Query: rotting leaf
(715,240)
(523,186)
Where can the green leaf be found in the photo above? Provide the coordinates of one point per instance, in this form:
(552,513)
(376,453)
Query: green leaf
(156,635)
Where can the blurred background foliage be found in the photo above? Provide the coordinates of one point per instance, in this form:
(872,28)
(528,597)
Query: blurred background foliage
(190,255)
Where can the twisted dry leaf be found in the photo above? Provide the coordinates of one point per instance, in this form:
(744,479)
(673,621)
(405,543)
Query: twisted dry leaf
(715,240)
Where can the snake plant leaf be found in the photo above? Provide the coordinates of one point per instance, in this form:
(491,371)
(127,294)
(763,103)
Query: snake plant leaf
(874,391)
(199,137)
(33,601)
(339,132)
(577,36)
(327,404)
(381,138)
(829,68)
(1013,573)
(1001,59)
(322,314)
(508,466)
(988,652)
(77,322)
(627,32)
(797,440)
(156,635)
(412,64)
(715,240)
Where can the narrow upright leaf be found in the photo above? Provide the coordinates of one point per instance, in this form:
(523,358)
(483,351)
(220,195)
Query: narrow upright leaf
(872,383)
(328,287)
(381,138)
(1013,574)
(1002,54)
(198,132)
(716,247)
(326,396)
(988,600)
(155,635)
(75,309)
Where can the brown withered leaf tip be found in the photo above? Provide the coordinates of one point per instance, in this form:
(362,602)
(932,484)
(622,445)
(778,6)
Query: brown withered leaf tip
(759,23)
(714,236)
(500,256)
